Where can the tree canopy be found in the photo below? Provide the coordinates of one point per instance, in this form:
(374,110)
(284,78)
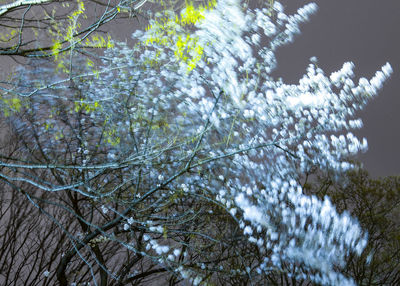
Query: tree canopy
(177,157)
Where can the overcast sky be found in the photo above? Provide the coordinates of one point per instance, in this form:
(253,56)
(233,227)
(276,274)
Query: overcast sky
(366,32)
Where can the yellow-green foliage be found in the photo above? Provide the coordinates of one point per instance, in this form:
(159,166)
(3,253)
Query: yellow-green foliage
(173,32)
(66,38)
(8,36)
(271,7)
(86,107)
(111,137)
(97,41)
(11,105)
(110,134)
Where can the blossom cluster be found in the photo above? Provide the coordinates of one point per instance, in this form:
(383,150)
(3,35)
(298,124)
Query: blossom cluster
(252,128)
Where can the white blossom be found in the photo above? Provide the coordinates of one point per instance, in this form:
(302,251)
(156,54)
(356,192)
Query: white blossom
(104,209)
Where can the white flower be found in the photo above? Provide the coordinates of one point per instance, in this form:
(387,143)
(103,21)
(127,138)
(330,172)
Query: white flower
(387,69)
(46,273)
(162,249)
(177,252)
(248,230)
(255,38)
(111,156)
(197,280)
(104,209)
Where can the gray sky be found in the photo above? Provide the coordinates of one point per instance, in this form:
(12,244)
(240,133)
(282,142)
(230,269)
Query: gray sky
(366,32)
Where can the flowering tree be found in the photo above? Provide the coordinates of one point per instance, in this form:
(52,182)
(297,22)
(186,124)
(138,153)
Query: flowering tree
(180,158)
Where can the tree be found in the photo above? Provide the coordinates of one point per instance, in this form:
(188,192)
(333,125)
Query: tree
(181,147)
(45,28)
(376,204)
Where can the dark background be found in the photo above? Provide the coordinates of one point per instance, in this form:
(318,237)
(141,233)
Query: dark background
(366,32)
